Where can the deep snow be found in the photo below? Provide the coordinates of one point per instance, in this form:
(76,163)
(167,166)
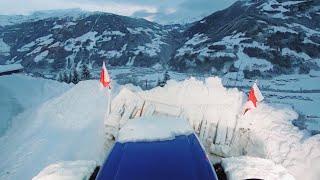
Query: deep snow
(67,127)
(215,113)
(246,167)
(157,128)
(67,170)
(59,122)
(19,93)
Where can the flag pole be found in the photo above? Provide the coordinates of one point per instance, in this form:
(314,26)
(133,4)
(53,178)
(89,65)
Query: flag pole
(109,102)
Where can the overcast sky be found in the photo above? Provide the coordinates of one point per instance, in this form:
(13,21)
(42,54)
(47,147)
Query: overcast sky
(161,11)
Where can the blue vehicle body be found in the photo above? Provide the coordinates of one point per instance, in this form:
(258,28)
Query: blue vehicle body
(181,158)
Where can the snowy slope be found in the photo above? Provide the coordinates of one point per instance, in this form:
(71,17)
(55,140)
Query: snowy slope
(67,170)
(19,93)
(75,14)
(52,41)
(64,128)
(69,126)
(252,167)
(254,38)
(262,38)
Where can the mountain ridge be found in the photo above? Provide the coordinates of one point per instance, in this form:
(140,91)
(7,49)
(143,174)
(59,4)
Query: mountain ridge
(256,38)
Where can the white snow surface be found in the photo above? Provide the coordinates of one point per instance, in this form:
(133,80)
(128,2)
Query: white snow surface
(154,128)
(65,127)
(41,56)
(246,167)
(66,123)
(10,67)
(19,93)
(67,170)
(215,114)
(39,15)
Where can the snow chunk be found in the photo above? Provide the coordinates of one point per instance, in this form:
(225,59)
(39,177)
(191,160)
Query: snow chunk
(155,128)
(246,167)
(67,170)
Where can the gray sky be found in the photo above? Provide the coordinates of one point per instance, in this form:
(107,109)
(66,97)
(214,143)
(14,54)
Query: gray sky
(162,11)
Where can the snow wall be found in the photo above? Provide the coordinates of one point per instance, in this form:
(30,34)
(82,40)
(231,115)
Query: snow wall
(58,122)
(215,113)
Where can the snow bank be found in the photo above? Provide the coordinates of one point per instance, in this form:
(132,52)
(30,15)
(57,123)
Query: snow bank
(215,114)
(10,67)
(154,128)
(68,170)
(245,167)
(19,93)
(65,128)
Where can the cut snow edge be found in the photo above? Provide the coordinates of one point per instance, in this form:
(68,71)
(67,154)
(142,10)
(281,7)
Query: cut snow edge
(154,128)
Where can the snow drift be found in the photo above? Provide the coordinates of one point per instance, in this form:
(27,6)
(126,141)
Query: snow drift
(214,112)
(68,127)
(19,93)
(157,128)
(68,170)
(58,122)
(245,167)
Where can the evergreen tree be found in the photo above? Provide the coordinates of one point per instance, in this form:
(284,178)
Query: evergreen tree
(158,82)
(75,76)
(164,80)
(70,77)
(65,77)
(85,72)
(60,77)
(166,77)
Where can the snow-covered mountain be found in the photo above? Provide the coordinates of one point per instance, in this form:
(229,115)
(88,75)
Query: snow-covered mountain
(52,41)
(254,38)
(257,37)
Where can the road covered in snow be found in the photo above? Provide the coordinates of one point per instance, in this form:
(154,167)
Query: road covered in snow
(57,123)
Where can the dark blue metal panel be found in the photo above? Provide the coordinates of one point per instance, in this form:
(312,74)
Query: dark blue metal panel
(180,158)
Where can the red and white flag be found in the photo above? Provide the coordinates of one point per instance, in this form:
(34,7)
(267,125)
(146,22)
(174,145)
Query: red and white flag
(104,77)
(254,97)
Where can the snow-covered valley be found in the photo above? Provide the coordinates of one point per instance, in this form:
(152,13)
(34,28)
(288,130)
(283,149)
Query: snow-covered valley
(57,123)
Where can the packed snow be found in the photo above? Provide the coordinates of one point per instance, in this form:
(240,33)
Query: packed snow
(10,67)
(246,167)
(67,170)
(153,128)
(20,92)
(58,123)
(67,123)
(215,113)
